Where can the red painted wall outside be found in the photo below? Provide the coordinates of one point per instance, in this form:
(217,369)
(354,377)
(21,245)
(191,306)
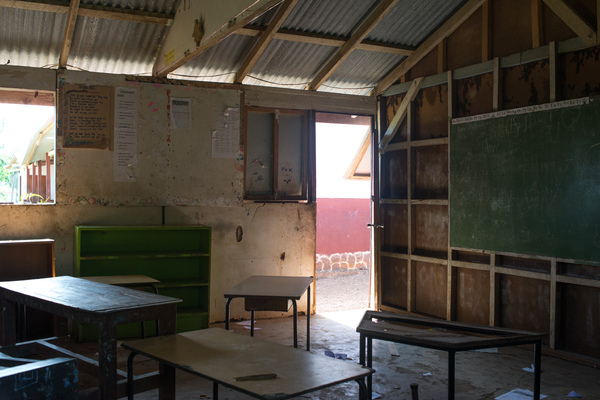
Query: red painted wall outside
(342,225)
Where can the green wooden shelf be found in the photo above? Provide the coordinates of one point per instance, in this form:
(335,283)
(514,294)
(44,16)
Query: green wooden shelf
(177,256)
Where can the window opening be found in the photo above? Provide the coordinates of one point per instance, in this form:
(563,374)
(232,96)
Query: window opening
(276,155)
(27,148)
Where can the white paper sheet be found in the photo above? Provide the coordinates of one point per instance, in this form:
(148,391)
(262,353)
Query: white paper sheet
(125,158)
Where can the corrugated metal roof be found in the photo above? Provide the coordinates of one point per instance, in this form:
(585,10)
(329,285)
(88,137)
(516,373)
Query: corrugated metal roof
(30,38)
(34,38)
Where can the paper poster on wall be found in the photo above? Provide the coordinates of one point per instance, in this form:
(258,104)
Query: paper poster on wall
(181,113)
(226,136)
(125,158)
(87,117)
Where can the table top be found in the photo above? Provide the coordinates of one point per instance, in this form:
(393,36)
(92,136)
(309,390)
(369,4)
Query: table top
(81,294)
(439,334)
(133,280)
(287,287)
(234,360)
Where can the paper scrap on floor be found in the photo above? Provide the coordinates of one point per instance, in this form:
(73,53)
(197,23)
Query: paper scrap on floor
(518,394)
(248,325)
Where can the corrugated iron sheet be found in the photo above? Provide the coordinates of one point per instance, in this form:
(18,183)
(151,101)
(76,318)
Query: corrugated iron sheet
(34,38)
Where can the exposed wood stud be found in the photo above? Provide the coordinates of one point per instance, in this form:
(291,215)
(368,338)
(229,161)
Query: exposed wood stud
(572,18)
(265,38)
(537,26)
(486,31)
(430,43)
(363,30)
(553,304)
(497,85)
(493,320)
(411,289)
(598,21)
(451,286)
(68,36)
(442,56)
(552,62)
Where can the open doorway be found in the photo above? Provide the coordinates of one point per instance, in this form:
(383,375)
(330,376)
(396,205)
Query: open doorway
(343,192)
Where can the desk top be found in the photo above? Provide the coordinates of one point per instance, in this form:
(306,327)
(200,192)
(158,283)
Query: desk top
(286,287)
(123,280)
(438,334)
(223,356)
(81,294)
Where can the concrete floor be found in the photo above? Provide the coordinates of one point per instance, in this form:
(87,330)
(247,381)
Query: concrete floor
(479,375)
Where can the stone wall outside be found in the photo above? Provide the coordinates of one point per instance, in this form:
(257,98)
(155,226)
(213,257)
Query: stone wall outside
(343,262)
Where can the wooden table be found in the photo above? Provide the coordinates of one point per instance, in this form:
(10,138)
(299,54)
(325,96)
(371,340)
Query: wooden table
(273,293)
(99,304)
(261,369)
(442,335)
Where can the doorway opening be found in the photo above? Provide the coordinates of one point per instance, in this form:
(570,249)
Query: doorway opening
(343,192)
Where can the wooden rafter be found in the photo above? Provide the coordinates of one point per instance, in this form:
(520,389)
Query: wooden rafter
(90,10)
(265,37)
(572,18)
(400,114)
(258,8)
(68,36)
(430,43)
(327,40)
(369,23)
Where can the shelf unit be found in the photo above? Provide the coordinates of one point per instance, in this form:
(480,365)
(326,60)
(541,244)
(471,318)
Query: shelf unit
(178,256)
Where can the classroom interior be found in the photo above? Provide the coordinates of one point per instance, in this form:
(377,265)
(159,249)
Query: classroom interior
(184,151)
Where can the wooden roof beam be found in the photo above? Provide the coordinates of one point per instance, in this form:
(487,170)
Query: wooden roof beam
(265,38)
(68,36)
(430,43)
(93,11)
(572,18)
(384,7)
(327,40)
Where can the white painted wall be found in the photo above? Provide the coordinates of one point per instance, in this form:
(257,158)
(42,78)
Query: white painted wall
(175,171)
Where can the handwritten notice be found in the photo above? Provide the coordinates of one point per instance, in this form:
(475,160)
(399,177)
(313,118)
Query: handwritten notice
(125,159)
(88,117)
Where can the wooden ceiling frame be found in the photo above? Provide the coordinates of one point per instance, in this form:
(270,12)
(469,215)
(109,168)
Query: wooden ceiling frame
(573,20)
(429,44)
(89,10)
(369,23)
(265,38)
(327,40)
(68,36)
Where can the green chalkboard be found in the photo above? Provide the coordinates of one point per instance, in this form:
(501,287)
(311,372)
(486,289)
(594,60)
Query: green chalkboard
(528,183)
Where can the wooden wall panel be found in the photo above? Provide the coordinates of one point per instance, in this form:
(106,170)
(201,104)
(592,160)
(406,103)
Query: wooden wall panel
(426,67)
(472,296)
(395,236)
(394,175)
(394,281)
(526,85)
(524,304)
(579,74)
(580,320)
(474,95)
(430,289)
(430,230)
(511,27)
(431,113)
(430,171)
(459,55)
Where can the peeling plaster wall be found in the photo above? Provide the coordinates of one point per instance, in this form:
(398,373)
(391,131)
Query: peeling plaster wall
(177,173)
